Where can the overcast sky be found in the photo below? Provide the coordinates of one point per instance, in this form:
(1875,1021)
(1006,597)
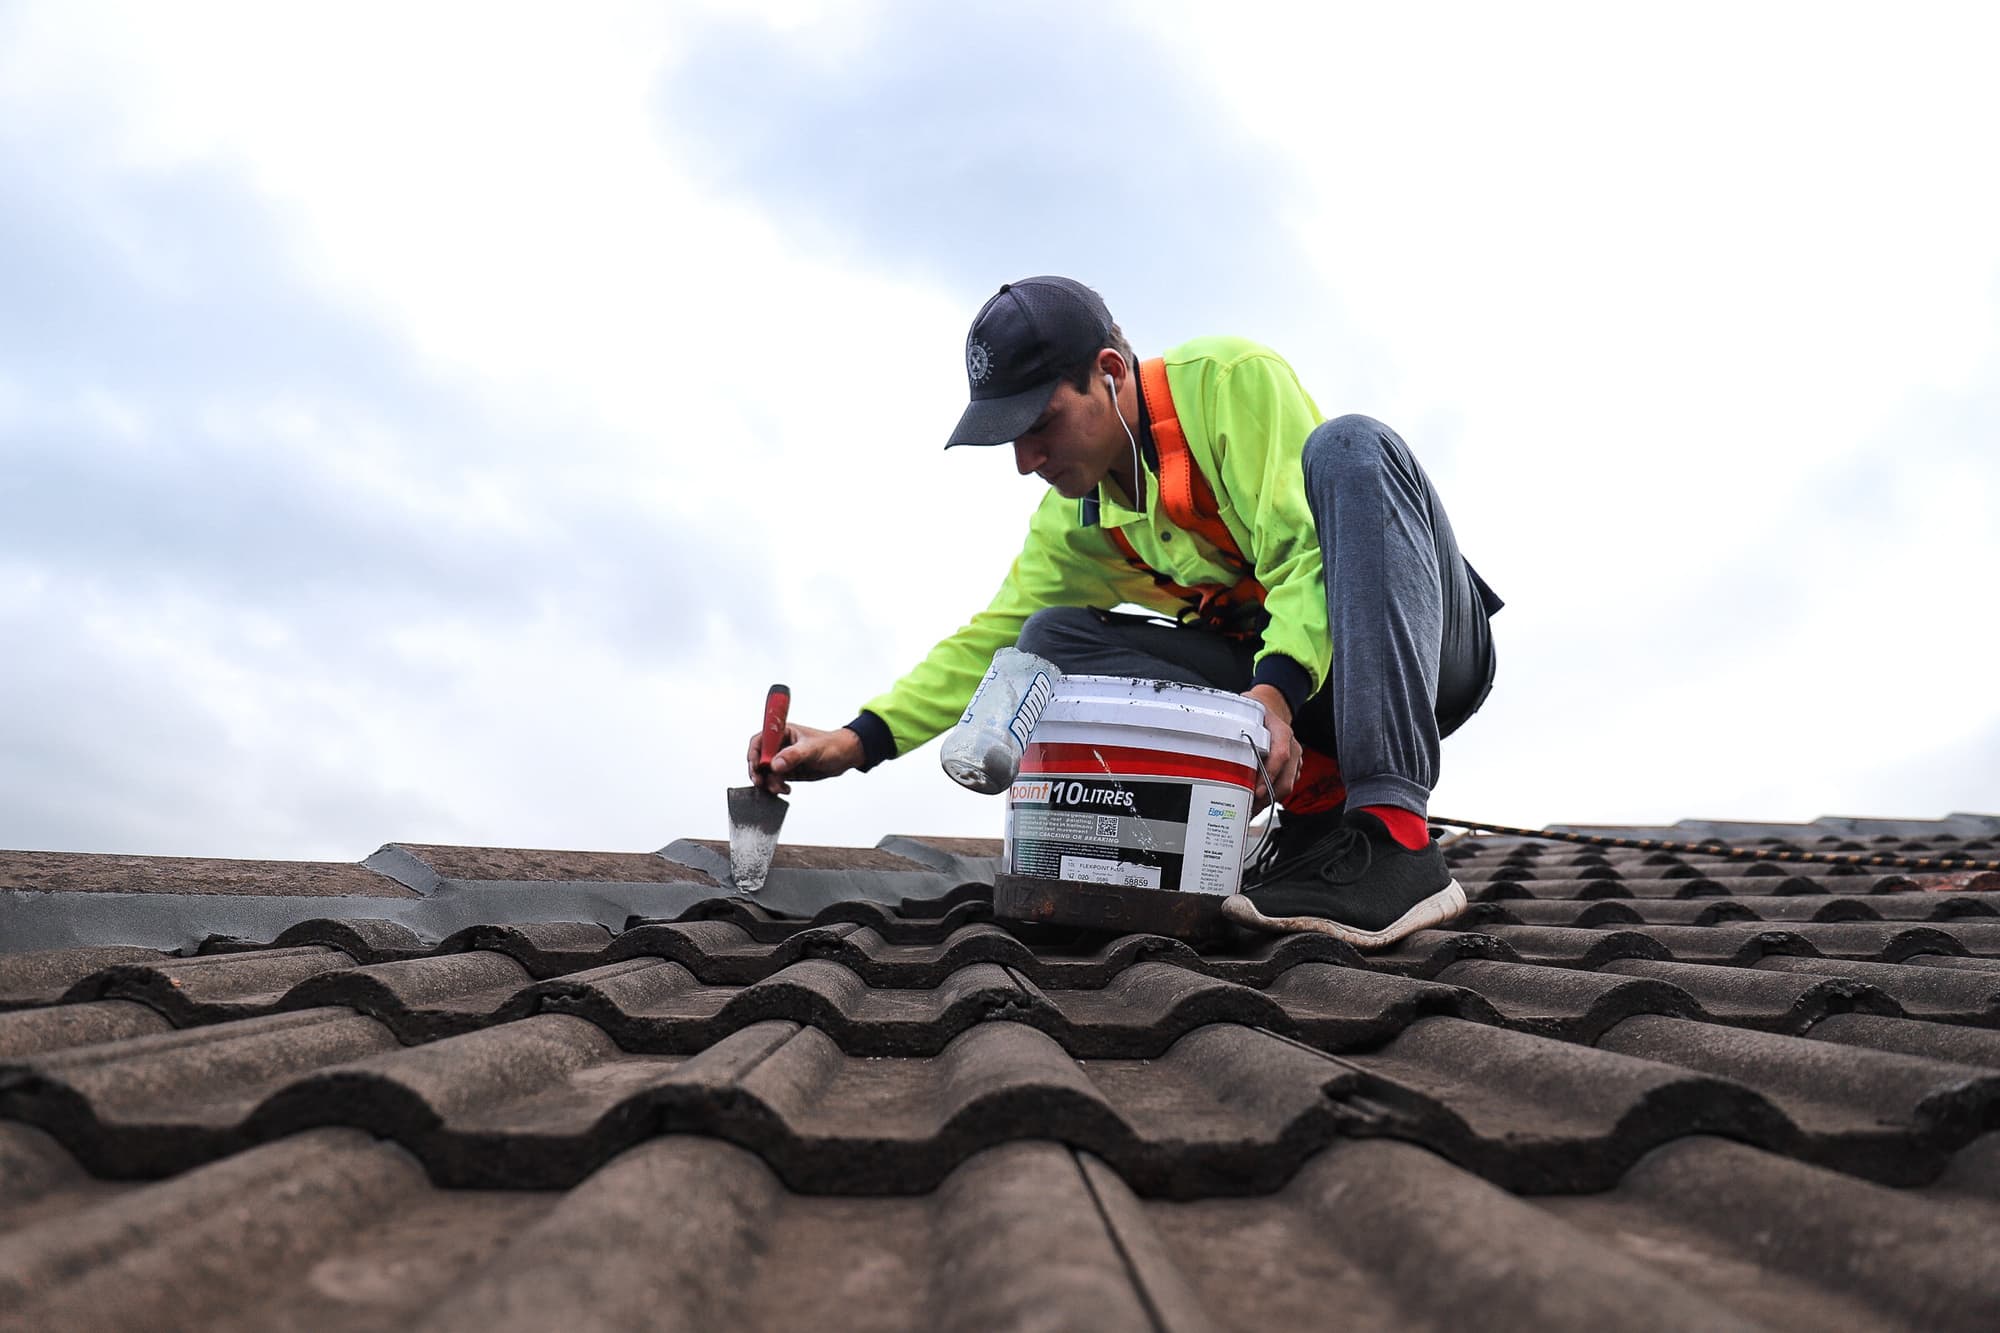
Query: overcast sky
(440,424)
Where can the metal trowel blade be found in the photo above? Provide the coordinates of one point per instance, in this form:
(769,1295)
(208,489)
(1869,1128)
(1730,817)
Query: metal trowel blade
(755,816)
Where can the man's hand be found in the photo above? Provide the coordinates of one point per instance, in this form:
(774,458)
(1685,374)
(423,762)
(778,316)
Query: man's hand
(1281,765)
(807,756)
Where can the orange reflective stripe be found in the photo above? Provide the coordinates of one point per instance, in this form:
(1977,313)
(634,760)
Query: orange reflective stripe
(1189,499)
(1190,502)
(1186,494)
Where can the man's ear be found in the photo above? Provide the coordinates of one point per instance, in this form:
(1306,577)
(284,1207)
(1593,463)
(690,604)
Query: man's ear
(1113,367)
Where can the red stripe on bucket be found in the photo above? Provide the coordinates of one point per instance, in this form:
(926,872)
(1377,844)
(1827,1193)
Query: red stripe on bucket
(1129,761)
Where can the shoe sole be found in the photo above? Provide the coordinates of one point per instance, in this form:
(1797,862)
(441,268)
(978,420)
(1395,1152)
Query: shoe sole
(1435,910)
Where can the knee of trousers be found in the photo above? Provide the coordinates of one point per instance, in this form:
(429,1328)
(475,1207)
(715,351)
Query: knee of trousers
(1052,631)
(1346,447)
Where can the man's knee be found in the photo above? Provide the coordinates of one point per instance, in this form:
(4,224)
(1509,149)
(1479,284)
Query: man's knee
(1054,632)
(1347,446)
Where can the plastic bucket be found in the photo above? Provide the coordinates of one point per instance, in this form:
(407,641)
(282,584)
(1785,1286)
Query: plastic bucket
(1144,784)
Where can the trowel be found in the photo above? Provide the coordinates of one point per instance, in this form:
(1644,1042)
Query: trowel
(756,815)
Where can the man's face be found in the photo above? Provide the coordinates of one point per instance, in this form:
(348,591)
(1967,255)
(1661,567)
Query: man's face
(1073,444)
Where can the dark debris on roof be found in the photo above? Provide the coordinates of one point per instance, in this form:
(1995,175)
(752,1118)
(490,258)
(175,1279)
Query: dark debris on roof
(1627,1090)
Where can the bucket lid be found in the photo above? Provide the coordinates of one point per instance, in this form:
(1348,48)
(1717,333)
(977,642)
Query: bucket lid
(1165,705)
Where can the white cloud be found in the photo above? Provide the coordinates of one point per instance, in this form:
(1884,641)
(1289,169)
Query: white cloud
(521,228)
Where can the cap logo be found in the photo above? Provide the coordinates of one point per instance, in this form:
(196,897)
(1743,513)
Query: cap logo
(978,361)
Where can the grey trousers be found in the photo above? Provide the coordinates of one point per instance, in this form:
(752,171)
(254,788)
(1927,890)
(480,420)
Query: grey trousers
(1412,649)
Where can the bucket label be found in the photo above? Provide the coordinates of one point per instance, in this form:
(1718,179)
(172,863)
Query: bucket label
(1097,870)
(1143,832)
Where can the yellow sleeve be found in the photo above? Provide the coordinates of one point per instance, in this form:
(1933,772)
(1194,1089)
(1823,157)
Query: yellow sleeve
(1061,564)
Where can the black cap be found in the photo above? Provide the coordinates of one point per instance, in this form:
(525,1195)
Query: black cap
(1020,344)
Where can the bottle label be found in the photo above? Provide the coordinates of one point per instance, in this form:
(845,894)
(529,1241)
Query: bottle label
(1022,724)
(985,684)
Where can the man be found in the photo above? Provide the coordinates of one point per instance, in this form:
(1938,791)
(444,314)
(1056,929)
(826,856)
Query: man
(1306,564)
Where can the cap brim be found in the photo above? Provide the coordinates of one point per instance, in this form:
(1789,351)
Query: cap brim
(1002,420)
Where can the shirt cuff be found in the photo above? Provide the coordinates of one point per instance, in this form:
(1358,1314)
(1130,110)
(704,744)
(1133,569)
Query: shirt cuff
(877,743)
(1285,676)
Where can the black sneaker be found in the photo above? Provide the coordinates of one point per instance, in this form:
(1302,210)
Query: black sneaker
(1291,845)
(1352,881)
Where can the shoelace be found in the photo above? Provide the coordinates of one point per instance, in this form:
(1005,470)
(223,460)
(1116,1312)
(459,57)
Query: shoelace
(1330,855)
(1341,847)
(1259,867)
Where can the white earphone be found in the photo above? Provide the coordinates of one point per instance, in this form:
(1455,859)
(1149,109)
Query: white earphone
(1138,470)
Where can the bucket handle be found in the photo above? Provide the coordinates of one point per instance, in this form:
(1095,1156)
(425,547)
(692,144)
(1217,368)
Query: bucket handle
(1269,791)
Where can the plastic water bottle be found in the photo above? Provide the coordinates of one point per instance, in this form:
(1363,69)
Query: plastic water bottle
(983,751)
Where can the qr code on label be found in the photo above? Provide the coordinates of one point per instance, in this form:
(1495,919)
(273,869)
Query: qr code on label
(1107,826)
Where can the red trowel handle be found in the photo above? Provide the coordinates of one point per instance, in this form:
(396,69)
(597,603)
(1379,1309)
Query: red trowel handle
(777,704)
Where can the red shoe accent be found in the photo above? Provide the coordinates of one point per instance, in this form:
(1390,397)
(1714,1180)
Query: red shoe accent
(1319,787)
(1408,829)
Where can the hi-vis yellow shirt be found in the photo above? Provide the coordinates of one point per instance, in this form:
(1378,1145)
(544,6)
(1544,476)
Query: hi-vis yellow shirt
(1246,418)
